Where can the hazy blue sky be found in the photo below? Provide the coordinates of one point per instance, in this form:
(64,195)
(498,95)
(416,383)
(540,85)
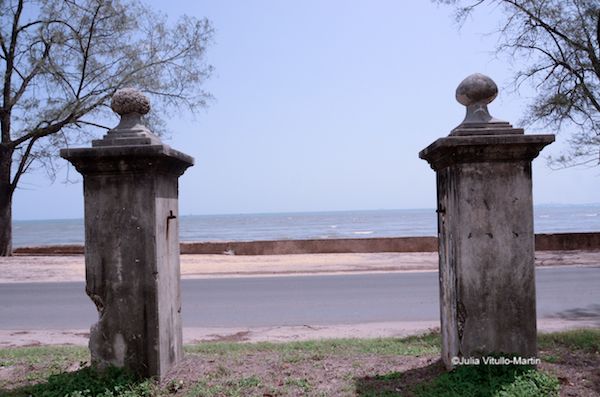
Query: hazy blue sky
(324,105)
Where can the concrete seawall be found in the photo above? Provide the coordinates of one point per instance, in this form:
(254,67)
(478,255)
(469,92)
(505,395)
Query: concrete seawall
(543,242)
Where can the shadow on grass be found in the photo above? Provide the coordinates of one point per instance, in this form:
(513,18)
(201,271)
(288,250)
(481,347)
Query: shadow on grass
(85,382)
(464,381)
(398,383)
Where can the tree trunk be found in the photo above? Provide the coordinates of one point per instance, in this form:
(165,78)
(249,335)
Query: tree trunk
(6,192)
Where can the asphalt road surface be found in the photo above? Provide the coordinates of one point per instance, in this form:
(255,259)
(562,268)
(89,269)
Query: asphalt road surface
(567,292)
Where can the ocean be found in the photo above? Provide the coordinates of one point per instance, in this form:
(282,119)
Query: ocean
(309,225)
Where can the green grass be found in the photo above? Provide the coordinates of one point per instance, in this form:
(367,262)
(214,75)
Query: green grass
(44,360)
(44,370)
(113,382)
(37,354)
(587,340)
(241,387)
(410,346)
(491,381)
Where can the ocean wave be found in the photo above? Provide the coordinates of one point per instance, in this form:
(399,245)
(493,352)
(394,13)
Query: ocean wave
(366,232)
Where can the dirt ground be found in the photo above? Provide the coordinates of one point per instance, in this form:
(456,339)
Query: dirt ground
(336,371)
(358,375)
(306,375)
(577,372)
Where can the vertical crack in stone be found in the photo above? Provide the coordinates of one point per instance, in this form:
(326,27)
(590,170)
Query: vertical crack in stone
(461,314)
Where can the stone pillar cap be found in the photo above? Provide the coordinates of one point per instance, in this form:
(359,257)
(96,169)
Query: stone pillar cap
(131,105)
(130,100)
(476,92)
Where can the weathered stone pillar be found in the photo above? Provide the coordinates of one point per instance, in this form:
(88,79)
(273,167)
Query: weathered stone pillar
(485,228)
(130,182)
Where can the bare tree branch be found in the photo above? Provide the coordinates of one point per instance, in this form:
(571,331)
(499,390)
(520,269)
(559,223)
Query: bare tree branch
(27,79)
(64,59)
(22,164)
(560,43)
(101,126)
(86,50)
(4,115)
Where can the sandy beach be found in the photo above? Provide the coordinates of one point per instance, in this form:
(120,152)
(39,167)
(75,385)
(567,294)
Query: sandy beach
(80,337)
(71,268)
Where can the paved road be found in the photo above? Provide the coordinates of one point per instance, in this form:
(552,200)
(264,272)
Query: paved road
(267,301)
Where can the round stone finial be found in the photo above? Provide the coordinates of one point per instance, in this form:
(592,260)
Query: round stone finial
(476,89)
(130,100)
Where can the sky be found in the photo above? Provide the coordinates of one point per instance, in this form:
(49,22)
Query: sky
(325,105)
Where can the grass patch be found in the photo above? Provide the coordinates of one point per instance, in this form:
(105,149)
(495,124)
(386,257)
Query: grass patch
(410,346)
(242,387)
(491,381)
(39,354)
(40,362)
(464,381)
(587,340)
(342,367)
(113,382)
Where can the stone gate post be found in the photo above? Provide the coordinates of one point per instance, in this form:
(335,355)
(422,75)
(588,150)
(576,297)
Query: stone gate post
(130,181)
(485,228)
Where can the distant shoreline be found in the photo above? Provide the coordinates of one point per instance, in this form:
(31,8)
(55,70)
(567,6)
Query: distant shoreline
(335,225)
